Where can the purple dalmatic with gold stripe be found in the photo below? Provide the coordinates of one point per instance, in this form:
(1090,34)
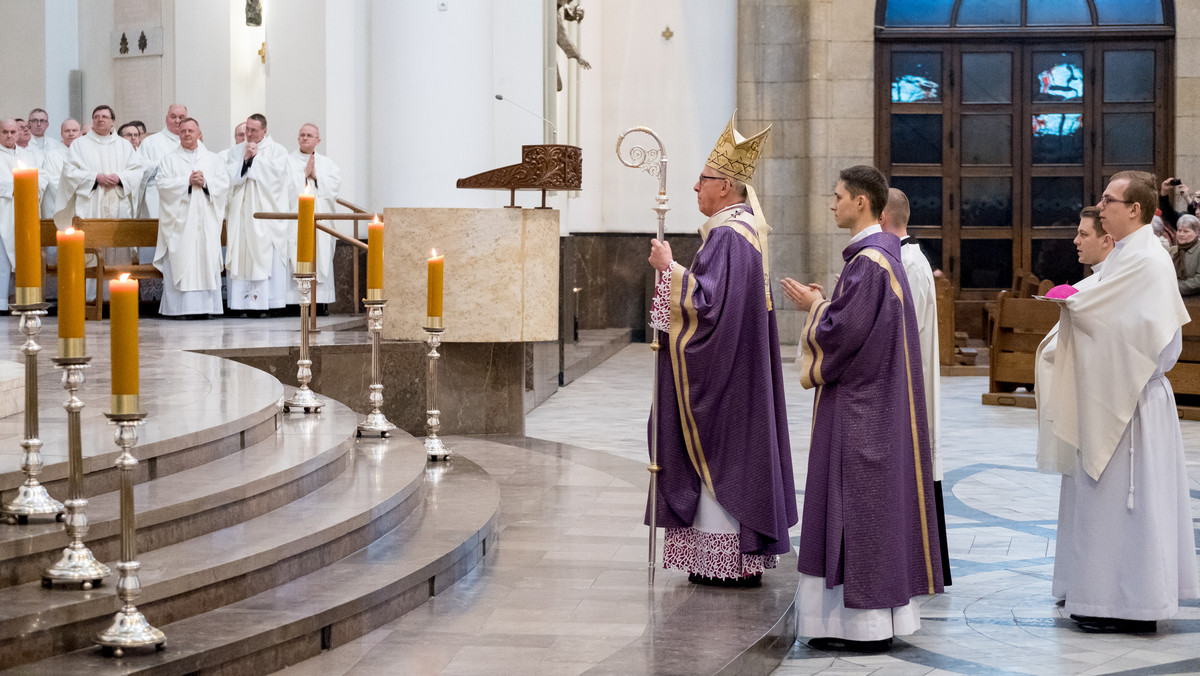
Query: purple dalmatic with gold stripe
(869,521)
(722,421)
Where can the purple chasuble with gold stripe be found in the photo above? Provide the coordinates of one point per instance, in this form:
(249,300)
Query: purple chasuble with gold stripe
(721,415)
(869,519)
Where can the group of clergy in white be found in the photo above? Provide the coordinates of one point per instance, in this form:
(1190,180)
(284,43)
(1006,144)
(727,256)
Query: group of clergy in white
(173,177)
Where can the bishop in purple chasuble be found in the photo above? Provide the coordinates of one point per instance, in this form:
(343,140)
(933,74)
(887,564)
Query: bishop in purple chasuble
(869,521)
(721,415)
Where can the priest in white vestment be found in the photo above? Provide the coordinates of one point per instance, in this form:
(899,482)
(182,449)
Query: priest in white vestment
(68,131)
(152,149)
(192,184)
(39,121)
(1126,552)
(323,178)
(256,249)
(924,297)
(101,175)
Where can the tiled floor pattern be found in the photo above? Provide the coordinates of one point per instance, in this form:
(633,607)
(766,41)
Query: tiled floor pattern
(998,617)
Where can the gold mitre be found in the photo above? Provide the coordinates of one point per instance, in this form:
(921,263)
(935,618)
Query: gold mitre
(734,156)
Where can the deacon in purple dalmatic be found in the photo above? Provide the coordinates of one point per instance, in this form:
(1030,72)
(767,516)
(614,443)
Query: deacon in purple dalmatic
(869,538)
(725,489)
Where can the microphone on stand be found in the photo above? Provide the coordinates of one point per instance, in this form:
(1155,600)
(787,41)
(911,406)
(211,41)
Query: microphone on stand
(500,97)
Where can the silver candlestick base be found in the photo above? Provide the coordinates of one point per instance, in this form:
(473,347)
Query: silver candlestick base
(434,448)
(77,565)
(304,398)
(32,498)
(376,422)
(129,628)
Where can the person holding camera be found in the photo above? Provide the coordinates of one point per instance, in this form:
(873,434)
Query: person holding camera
(1174,201)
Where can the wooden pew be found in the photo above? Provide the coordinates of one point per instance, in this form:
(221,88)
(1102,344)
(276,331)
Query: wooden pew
(952,350)
(1185,377)
(1020,326)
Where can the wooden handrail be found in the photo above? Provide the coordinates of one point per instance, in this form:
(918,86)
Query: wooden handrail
(281,216)
(352,207)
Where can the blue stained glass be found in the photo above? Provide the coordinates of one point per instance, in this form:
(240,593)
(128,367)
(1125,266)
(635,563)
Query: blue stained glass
(1063,80)
(989,13)
(1129,11)
(1057,124)
(918,13)
(1058,13)
(912,88)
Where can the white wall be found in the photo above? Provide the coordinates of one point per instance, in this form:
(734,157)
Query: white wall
(295,84)
(347,110)
(201,45)
(683,88)
(95,62)
(62,56)
(21,31)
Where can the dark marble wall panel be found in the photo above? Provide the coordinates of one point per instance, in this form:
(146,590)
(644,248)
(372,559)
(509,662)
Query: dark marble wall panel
(614,277)
(343,267)
(481,385)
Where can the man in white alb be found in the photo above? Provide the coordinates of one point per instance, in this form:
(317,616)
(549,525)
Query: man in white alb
(101,175)
(256,251)
(323,178)
(50,153)
(894,219)
(192,184)
(152,149)
(68,131)
(1125,553)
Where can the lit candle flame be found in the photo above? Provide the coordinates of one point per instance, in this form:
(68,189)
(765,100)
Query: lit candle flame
(376,219)
(434,253)
(21,165)
(70,230)
(308,190)
(124,277)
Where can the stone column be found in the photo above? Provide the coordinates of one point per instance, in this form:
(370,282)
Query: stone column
(1187,91)
(806,66)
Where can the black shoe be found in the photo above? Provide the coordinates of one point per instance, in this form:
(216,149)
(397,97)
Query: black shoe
(1116,625)
(748,581)
(846,645)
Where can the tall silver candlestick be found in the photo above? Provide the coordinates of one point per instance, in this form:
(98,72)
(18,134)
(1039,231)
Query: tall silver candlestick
(434,448)
(304,398)
(32,498)
(129,628)
(376,422)
(77,564)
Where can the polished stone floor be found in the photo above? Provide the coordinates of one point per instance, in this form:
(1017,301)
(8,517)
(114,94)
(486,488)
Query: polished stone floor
(998,617)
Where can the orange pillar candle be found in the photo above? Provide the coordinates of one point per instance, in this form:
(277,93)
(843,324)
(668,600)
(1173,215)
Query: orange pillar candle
(28,236)
(375,259)
(434,304)
(306,233)
(123,307)
(70,293)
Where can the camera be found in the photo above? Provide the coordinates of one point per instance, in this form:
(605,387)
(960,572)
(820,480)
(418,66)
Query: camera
(1175,181)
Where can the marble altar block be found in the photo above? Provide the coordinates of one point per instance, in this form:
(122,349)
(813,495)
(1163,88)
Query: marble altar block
(501,279)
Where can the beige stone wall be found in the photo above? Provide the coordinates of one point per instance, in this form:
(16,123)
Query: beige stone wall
(807,67)
(1187,91)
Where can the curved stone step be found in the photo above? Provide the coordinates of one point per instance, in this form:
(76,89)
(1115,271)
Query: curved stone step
(444,537)
(372,497)
(203,408)
(305,453)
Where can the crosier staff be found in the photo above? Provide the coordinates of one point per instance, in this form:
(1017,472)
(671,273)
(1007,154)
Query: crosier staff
(653,161)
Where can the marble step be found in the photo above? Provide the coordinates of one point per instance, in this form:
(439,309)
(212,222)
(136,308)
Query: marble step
(382,485)
(305,453)
(202,408)
(442,540)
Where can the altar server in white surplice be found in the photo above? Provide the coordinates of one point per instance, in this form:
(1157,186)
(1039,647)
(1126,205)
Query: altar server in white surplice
(192,184)
(1125,552)
(101,175)
(924,297)
(256,251)
(323,179)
